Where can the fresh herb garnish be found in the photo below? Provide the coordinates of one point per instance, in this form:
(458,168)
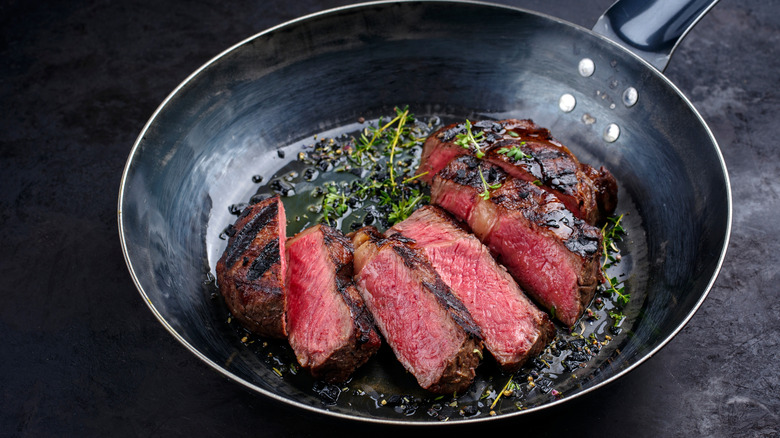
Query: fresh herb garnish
(617,316)
(379,140)
(394,143)
(515,152)
(509,388)
(488,187)
(401,209)
(613,232)
(469,139)
(381,159)
(334,203)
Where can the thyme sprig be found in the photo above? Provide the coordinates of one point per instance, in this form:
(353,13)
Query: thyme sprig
(469,139)
(383,140)
(488,187)
(334,203)
(400,209)
(617,316)
(381,156)
(394,143)
(515,152)
(613,232)
(510,387)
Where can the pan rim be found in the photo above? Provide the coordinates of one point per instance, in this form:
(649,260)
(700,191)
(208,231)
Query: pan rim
(367,419)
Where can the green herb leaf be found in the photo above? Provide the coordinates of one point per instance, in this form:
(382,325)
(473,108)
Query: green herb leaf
(613,231)
(515,152)
(486,193)
(403,207)
(382,152)
(468,140)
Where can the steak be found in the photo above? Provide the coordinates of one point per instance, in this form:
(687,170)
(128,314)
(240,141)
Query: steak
(513,328)
(430,331)
(528,152)
(552,254)
(329,328)
(251,272)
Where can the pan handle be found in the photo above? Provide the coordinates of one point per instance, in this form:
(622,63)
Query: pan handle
(651,28)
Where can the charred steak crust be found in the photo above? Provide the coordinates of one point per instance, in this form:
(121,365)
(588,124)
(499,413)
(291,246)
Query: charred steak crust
(513,328)
(577,236)
(540,209)
(466,172)
(589,193)
(249,223)
(439,345)
(459,372)
(267,257)
(340,249)
(415,259)
(330,329)
(251,271)
(558,263)
(535,203)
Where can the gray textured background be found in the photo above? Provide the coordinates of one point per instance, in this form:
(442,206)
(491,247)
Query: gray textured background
(81,355)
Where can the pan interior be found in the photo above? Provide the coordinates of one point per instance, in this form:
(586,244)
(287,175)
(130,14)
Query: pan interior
(275,91)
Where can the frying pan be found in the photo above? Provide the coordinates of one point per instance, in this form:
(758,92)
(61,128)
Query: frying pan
(251,109)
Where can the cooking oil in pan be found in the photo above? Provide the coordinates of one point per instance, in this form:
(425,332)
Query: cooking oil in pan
(321,167)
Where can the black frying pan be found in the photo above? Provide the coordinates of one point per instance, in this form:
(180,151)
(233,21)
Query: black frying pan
(274,91)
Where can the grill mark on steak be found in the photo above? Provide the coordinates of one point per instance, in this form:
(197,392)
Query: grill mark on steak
(589,193)
(402,291)
(244,237)
(414,259)
(254,288)
(456,308)
(330,329)
(551,253)
(468,175)
(338,245)
(267,258)
(544,211)
(513,328)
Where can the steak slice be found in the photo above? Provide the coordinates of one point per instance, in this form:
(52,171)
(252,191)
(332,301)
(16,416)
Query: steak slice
(328,325)
(528,152)
(251,272)
(514,329)
(553,255)
(427,327)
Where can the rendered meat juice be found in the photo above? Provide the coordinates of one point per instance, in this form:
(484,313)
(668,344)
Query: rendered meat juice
(314,168)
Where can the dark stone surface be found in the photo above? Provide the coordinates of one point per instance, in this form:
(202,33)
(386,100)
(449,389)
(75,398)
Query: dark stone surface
(80,353)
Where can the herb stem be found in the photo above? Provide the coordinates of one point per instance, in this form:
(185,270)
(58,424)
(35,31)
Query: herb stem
(401,122)
(410,179)
(384,153)
(383,128)
(468,139)
(610,236)
(486,194)
(498,397)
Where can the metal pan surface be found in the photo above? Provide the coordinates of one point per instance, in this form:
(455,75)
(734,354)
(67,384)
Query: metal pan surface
(251,109)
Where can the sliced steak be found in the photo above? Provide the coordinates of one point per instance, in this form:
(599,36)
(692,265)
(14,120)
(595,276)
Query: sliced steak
(251,271)
(329,328)
(528,152)
(428,328)
(513,328)
(553,255)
